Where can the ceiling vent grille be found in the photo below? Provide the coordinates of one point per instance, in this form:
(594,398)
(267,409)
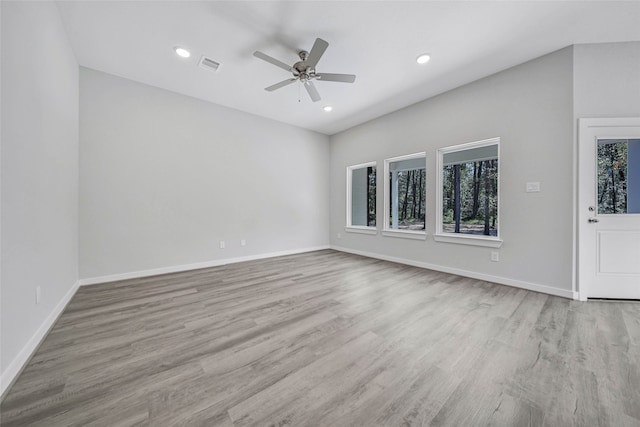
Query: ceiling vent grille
(209,64)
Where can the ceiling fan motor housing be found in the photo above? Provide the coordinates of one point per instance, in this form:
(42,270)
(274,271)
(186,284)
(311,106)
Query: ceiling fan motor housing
(301,70)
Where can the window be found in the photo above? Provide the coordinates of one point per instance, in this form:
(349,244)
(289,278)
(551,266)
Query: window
(361,198)
(468,193)
(618,176)
(405,191)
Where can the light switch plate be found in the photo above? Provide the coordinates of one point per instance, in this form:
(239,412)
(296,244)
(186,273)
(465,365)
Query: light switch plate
(533,187)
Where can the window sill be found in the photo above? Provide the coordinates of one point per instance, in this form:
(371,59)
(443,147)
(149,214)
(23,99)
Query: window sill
(406,234)
(361,230)
(461,239)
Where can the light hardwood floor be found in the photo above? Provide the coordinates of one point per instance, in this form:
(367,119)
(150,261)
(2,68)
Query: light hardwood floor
(330,339)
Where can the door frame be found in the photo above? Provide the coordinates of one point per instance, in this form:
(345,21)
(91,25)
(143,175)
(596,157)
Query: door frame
(586,129)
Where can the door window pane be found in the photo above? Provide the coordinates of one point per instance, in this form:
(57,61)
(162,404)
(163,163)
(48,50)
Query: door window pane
(618,166)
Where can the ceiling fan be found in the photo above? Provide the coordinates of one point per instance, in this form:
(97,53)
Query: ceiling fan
(305,70)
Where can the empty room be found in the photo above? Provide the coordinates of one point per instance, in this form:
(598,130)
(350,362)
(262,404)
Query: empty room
(320,213)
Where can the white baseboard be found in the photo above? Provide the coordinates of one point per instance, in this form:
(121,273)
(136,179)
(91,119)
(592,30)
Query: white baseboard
(20,361)
(459,272)
(194,266)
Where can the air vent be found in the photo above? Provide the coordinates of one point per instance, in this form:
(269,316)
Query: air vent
(209,64)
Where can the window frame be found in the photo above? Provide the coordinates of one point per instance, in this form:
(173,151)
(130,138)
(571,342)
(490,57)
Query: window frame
(459,238)
(386,229)
(349,227)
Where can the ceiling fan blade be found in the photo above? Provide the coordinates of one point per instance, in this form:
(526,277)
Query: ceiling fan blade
(316,52)
(271,60)
(329,77)
(279,85)
(313,92)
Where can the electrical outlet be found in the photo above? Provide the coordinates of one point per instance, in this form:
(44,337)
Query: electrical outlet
(495,256)
(38,294)
(222,244)
(339,236)
(243,242)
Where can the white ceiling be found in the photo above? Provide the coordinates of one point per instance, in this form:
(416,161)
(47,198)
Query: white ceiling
(378,41)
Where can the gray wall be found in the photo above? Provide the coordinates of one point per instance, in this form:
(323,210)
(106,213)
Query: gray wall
(530,108)
(165,177)
(39,174)
(607,80)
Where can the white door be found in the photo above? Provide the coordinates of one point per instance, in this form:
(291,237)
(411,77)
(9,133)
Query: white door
(609,208)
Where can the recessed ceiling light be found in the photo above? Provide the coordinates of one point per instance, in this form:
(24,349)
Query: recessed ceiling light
(423,59)
(327,108)
(182,52)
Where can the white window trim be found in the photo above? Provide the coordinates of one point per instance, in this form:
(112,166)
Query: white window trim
(358,228)
(468,239)
(464,239)
(405,234)
(392,232)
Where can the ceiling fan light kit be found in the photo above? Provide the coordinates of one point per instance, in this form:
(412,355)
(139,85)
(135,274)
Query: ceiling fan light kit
(304,70)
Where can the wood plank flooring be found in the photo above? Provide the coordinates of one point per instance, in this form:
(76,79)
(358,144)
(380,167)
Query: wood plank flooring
(330,339)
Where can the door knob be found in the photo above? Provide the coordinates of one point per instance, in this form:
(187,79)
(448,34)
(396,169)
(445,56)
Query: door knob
(593,220)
